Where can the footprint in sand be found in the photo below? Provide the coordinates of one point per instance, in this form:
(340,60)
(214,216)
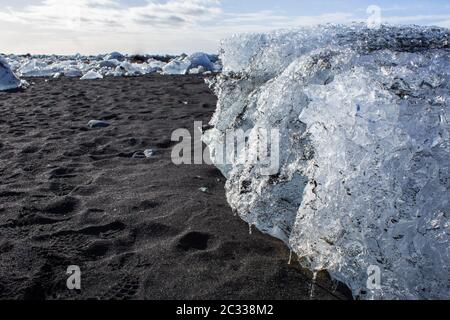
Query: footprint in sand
(194,241)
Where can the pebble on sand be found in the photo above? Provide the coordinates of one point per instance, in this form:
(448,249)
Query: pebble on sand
(149,153)
(94,124)
(145,154)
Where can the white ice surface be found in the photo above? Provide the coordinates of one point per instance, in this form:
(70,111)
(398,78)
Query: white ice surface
(114,64)
(8,80)
(364,176)
(91,75)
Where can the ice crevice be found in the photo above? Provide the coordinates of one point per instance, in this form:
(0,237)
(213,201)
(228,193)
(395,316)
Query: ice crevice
(363,180)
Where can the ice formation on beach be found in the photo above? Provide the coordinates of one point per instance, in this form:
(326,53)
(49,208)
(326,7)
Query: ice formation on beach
(91,75)
(8,80)
(203,60)
(113,64)
(115,56)
(364,175)
(194,64)
(177,66)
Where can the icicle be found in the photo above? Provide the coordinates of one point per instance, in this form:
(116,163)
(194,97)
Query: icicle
(250,229)
(313,286)
(290,258)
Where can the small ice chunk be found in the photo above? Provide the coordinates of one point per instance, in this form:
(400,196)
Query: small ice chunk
(115,56)
(176,66)
(91,75)
(198,70)
(94,124)
(38,68)
(109,63)
(149,153)
(72,73)
(201,60)
(8,80)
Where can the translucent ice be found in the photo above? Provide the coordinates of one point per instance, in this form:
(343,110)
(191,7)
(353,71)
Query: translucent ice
(177,66)
(114,64)
(114,56)
(37,68)
(8,80)
(201,59)
(364,176)
(91,75)
(196,63)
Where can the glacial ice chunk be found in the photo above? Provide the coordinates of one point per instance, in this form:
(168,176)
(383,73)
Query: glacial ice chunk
(72,73)
(107,65)
(177,66)
(194,64)
(95,124)
(38,68)
(135,69)
(112,63)
(201,59)
(363,181)
(115,56)
(197,70)
(8,80)
(91,75)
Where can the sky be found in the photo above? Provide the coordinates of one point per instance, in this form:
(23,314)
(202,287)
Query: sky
(177,26)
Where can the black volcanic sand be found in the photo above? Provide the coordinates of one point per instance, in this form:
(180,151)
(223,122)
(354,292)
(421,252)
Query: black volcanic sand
(138,228)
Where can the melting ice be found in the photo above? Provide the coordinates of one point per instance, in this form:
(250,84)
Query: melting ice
(364,180)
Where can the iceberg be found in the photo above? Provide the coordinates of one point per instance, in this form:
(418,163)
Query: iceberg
(362,185)
(8,80)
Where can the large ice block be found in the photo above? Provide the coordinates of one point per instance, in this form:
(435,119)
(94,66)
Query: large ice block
(363,182)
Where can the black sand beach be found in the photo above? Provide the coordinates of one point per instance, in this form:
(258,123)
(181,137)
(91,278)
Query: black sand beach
(138,228)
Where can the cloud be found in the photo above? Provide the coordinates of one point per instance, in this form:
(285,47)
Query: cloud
(268,20)
(415,18)
(444,23)
(94,14)
(160,26)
